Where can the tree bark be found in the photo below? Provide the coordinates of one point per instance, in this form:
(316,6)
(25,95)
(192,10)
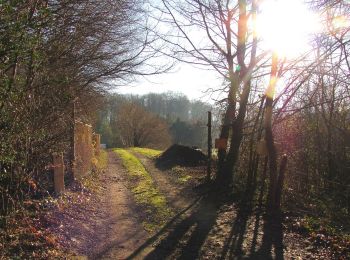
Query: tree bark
(271,149)
(280,181)
(239,78)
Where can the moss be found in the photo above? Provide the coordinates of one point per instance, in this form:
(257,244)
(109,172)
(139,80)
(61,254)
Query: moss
(145,192)
(184,179)
(150,153)
(181,174)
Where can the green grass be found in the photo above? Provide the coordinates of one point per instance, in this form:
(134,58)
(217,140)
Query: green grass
(184,179)
(150,153)
(181,174)
(145,192)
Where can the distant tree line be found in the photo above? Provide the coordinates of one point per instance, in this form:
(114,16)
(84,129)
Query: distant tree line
(186,120)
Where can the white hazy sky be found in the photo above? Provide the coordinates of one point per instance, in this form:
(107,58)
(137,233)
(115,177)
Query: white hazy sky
(184,78)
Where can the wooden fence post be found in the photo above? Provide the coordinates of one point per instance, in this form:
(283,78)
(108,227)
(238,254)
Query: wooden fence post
(58,173)
(209,147)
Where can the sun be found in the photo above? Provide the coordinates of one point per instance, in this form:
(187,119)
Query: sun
(285,26)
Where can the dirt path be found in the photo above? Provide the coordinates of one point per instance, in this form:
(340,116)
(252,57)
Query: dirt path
(210,229)
(123,231)
(108,225)
(104,225)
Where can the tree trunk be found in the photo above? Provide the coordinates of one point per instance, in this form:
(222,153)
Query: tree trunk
(271,149)
(239,78)
(253,156)
(227,123)
(225,174)
(280,181)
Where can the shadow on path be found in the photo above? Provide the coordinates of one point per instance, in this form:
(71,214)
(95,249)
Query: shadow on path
(192,228)
(272,241)
(184,236)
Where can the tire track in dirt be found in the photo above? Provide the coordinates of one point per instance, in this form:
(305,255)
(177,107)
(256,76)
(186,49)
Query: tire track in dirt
(124,231)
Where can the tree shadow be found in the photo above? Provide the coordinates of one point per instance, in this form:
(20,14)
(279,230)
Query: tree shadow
(272,232)
(186,235)
(233,244)
(258,216)
(272,240)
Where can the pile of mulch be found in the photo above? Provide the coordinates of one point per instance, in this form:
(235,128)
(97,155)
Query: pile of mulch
(182,156)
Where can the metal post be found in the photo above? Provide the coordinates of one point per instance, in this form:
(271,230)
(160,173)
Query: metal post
(209,147)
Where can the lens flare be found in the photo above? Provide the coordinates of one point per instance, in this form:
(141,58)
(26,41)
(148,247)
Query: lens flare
(285,26)
(340,22)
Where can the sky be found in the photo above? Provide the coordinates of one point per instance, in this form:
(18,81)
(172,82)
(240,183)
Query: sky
(184,78)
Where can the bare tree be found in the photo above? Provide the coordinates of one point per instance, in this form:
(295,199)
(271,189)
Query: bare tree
(217,34)
(229,47)
(140,128)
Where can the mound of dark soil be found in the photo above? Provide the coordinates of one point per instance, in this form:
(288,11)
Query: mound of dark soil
(181,155)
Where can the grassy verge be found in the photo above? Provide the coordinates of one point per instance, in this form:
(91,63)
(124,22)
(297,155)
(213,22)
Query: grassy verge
(150,153)
(145,192)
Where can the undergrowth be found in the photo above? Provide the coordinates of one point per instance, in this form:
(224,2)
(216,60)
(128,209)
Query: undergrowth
(145,192)
(92,180)
(102,159)
(25,236)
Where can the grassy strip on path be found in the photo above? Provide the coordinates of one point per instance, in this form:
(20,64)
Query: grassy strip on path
(149,153)
(145,192)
